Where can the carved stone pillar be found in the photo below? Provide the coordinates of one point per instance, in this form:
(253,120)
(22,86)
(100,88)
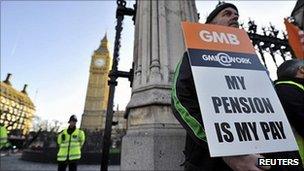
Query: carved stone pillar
(154,139)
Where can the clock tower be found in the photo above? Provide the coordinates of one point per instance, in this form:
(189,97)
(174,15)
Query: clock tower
(94,114)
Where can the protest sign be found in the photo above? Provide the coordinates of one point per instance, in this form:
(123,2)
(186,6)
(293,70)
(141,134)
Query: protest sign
(240,109)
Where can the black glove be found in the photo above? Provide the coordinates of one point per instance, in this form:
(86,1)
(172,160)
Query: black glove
(63,137)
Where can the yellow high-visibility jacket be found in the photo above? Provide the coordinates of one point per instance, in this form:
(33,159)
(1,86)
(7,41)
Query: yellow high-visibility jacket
(3,137)
(70,146)
(300,142)
(299,138)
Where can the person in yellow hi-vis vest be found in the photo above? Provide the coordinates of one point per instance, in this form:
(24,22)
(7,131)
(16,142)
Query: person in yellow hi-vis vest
(290,89)
(3,136)
(70,141)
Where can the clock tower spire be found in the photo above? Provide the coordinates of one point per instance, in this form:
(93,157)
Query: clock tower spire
(98,90)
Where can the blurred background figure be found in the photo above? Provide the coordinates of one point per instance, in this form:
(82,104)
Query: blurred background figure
(290,90)
(4,144)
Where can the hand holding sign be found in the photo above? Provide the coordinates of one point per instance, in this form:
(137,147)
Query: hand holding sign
(246,162)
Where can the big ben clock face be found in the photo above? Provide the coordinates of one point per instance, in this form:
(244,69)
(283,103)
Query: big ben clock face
(99,63)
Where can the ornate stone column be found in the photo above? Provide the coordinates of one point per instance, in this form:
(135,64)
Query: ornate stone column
(154,139)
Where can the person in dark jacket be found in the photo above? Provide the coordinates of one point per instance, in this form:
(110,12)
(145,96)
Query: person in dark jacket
(290,90)
(186,109)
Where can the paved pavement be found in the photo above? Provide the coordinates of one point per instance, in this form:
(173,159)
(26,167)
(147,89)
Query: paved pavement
(14,163)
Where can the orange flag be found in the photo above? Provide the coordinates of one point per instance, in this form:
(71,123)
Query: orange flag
(295,39)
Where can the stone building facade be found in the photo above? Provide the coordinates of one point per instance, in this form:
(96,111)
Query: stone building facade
(16,108)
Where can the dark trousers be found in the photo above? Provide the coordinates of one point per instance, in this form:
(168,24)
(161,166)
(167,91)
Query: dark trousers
(62,165)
